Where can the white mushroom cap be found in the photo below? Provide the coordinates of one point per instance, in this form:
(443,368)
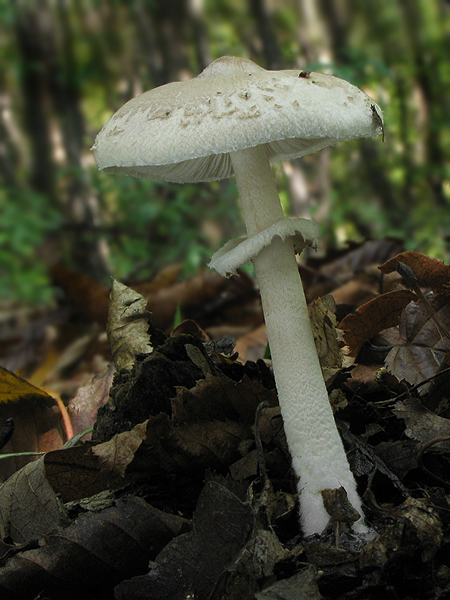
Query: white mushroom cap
(183,132)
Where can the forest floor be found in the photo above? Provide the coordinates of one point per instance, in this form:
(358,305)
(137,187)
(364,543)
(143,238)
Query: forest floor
(184,489)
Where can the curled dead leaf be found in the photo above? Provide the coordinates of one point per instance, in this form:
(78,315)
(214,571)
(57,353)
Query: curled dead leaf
(430,272)
(374,316)
(128,325)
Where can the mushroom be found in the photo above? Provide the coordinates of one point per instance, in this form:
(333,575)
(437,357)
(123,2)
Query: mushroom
(238,118)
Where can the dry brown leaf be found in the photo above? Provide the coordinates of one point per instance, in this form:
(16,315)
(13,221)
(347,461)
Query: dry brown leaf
(374,316)
(191,565)
(422,349)
(117,453)
(14,388)
(167,277)
(90,296)
(84,405)
(252,345)
(189,448)
(128,325)
(190,327)
(75,473)
(422,424)
(29,507)
(301,585)
(415,519)
(217,398)
(206,296)
(430,272)
(96,551)
(156,446)
(326,336)
(355,292)
(352,263)
(37,423)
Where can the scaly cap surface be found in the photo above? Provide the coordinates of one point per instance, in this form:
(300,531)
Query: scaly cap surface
(183,132)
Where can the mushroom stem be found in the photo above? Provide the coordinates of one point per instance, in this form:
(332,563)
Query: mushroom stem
(318,455)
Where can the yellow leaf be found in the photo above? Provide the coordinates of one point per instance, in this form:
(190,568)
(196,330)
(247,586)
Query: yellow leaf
(13,388)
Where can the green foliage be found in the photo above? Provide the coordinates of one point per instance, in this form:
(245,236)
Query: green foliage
(26,222)
(151,224)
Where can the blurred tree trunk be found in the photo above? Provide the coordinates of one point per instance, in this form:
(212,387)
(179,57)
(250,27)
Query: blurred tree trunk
(8,154)
(309,184)
(170,21)
(30,29)
(429,80)
(50,87)
(339,18)
(313,39)
(261,14)
(199,34)
(147,37)
(82,202)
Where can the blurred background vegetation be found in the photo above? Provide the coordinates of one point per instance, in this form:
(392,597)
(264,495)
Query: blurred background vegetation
(70,64)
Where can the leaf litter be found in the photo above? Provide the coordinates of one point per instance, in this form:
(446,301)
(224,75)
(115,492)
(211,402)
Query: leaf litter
(201,491)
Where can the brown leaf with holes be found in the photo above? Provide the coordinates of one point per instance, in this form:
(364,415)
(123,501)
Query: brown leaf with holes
(374,316)
(430,272)
(422,349)
(95,552)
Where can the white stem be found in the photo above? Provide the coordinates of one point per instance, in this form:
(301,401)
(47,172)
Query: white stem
(318,455)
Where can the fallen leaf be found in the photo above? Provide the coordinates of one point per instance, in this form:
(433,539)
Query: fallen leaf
(322,314)
(193,562)
(14,388)
(128,326)
(29,506)
(415,519)
(90,296)
(37,422)
(76,473)
(301,585)
(422,424)
(84,405)
(374,316)
(190,448)
(422,349)
(252,345)
(338,506)
(355,262)
(116,454)
(399,456)
(430,272)
(217,398)
(95,552)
